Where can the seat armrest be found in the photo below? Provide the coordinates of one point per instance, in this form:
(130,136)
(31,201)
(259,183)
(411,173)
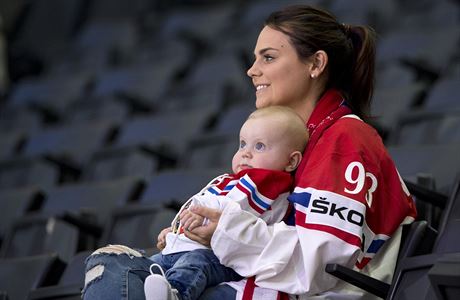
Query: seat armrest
(369,284)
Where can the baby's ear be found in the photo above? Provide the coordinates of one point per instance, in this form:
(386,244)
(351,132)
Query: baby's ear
(294,161)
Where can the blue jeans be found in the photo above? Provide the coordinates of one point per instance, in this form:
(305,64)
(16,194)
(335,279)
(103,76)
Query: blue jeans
(123,278)
(193,271)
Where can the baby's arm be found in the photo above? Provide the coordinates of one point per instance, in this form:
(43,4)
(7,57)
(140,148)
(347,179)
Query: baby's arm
(161,243)
(190,220)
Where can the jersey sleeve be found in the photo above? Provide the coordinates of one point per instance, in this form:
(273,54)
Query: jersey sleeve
(259,191)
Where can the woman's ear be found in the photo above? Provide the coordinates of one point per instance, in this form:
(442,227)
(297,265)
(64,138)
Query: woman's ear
(318,64)
(294,161)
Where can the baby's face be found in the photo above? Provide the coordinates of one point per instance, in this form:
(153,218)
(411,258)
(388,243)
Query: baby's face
(263,144)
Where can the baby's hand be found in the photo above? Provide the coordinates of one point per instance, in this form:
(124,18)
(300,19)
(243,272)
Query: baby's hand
(190,220)
(161,243)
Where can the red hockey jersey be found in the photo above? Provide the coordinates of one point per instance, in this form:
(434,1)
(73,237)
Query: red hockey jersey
(350,203)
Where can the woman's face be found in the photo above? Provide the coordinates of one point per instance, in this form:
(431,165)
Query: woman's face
(278,74)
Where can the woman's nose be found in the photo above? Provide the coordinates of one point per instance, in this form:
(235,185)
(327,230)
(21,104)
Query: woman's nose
(253,70)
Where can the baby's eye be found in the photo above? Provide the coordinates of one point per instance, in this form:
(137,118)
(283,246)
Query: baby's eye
(259,146)
(242,144)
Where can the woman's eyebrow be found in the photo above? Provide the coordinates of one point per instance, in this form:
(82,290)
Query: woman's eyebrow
(262,51)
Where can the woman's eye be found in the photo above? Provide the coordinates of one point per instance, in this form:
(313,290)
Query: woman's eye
(259,146)
(242,144)
(268,58)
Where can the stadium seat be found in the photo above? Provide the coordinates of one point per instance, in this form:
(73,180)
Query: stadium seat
(431,14)
(111,164)
(444,94)
(15,203)
(216,148)
(195,20)
(441,161)
(213,150)
(49,95)
(20,275)
(379,14)
(116,10)
(70,283)
(70,218)
(72,145)
(11,144)
(17,173)
(413,281)
(91,109)
(450,224)
(420,48)
(445,277)
(37,235)
(102,43)
(141,83)
(232,118)
(391,102)
(427,127)
(137,226)
(191,98)
(395,75)
(224,73)
(95,198)
(20,119)
(174,187)
(51,21)
(166,134)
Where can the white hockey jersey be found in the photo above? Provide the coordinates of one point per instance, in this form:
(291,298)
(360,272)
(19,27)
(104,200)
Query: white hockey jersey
(263,193)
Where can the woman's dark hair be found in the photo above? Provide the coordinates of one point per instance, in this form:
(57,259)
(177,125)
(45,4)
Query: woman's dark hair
(350,49)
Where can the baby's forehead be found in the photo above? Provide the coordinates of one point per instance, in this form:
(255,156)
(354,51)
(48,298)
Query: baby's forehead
(265,121)
(268,127)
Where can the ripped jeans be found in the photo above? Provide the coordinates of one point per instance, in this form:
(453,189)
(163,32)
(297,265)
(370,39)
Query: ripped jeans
(118,272)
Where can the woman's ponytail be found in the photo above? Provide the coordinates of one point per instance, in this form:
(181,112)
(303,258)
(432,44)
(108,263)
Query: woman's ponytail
(363,67)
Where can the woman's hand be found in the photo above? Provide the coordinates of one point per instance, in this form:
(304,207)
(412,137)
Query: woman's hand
(203,234)
(161,243)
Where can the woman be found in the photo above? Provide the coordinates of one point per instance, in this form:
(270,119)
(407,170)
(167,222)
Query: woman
(349,200)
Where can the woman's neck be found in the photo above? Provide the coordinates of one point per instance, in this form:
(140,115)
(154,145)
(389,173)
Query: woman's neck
(305,107)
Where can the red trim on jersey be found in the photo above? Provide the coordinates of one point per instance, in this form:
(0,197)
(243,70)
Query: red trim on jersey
(361,264)
(249,288)
(343,235)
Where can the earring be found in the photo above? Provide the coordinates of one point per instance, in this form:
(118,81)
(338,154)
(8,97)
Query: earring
(312,76)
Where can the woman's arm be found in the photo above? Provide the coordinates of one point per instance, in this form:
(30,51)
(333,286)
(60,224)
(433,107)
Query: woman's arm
(282,257)
(273,254)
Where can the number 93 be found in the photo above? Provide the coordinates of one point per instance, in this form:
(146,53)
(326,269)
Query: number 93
(356,175)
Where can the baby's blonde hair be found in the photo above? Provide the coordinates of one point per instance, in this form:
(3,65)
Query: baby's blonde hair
(293,126)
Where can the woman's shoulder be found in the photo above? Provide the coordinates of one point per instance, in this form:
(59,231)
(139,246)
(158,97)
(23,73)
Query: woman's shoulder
(350,135)
(353,128)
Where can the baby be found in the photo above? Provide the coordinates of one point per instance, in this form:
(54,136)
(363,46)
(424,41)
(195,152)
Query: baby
(272,141)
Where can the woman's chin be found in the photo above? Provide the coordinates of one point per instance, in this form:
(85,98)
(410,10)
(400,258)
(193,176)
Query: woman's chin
(261,103)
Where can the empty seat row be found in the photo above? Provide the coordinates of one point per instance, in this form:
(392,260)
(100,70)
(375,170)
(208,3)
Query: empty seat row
(87,208)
